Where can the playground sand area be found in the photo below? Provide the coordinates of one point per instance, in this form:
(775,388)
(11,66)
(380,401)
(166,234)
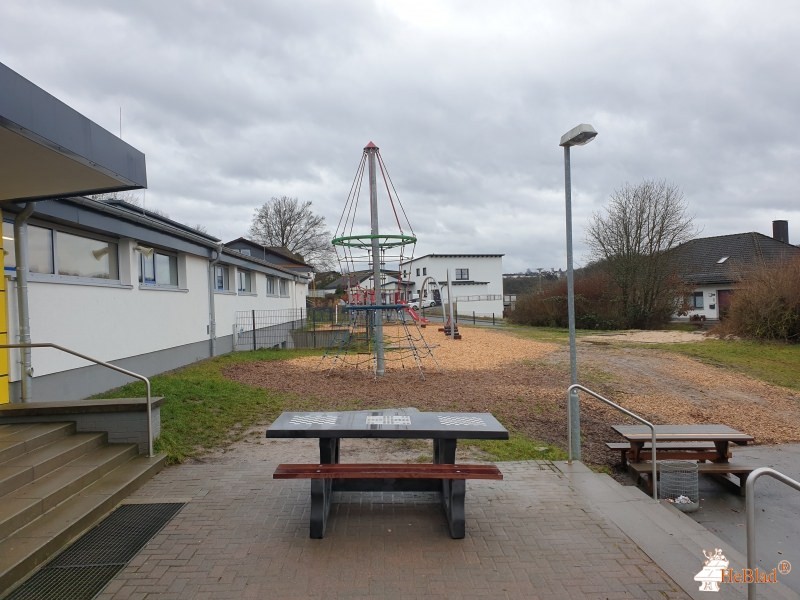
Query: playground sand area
(523,383)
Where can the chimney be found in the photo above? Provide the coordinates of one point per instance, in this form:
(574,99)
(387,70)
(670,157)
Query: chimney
(780,231)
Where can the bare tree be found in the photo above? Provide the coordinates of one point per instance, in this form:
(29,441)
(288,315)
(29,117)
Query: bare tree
(631,240)
(286,222)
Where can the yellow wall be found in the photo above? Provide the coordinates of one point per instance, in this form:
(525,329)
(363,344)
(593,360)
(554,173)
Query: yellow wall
(3,331)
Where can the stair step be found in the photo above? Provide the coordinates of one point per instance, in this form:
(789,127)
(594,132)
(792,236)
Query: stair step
(17,439)
(23,469)
(34,544)
(32,500)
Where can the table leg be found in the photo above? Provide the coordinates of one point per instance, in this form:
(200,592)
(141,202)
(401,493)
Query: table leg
(453,493)
(328,451)
(444,451)
(322,489)
(636,451)
(321,492)
(722,451)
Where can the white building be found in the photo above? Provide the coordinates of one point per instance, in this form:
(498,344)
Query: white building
(477,281)
(127,286)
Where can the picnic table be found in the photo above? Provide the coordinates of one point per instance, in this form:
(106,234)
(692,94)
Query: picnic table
(700,443)
(720,435)
(443,475)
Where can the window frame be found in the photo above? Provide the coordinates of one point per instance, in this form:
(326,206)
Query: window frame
(56,262)
(462,274)
(694,303)
(283,287)
(155,282)
(225,271)
(271,285)
(250,290)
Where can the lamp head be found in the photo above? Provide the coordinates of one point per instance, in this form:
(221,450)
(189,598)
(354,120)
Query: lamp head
(578,136)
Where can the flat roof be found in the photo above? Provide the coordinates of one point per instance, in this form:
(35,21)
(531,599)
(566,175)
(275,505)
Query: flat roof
(50,150)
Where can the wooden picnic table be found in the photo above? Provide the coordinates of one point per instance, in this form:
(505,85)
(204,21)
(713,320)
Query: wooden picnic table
(721,436)
(442,476)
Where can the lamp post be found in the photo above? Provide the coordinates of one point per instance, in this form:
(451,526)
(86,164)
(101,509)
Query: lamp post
(577,136)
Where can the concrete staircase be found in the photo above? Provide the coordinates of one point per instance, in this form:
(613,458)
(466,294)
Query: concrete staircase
(54,485)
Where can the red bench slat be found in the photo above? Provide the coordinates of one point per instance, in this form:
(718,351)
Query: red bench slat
(386,471)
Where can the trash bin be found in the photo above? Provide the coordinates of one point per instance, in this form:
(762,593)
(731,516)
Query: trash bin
(678,484)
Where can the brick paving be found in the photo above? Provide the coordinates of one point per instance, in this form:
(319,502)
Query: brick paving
(243,535)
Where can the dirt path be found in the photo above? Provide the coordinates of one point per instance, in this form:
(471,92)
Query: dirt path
(523,383)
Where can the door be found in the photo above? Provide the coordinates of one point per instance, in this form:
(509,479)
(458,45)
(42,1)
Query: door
(723,302)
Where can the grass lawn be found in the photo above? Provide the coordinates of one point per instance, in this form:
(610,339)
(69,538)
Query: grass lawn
(205,410)
(775,363)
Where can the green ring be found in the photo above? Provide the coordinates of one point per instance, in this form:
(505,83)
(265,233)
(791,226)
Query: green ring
(365,241)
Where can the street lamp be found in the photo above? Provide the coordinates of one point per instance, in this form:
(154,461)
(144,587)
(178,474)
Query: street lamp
(577,136)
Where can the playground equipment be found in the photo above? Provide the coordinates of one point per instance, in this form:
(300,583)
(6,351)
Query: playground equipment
(376,294)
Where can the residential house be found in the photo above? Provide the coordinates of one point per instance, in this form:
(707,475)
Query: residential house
(714,266)
(359,287)
(477,281)
(274,255)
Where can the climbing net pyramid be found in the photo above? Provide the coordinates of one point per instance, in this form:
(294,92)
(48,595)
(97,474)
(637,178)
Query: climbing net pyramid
(382,330)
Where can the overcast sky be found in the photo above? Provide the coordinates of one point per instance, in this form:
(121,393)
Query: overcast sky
(239,101)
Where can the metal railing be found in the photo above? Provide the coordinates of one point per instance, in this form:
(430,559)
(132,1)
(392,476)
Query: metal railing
(750,509)
(652,427)
(109,366)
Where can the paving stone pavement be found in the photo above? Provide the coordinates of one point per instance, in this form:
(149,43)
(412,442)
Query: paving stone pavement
(244,535)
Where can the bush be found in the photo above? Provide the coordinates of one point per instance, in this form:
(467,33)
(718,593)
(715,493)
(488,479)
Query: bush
(767,305)
(594,308)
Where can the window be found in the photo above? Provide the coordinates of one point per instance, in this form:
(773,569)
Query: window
(40,248)
(462,274)
(284,287)
(54,252)
(159,269)
(424,270)
(417,272)
(245,282)
(696,301)
(271,286)
(222,282)
(79,256)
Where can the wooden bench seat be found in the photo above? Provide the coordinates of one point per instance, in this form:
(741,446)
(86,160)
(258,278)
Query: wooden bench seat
(386,471)
(451,478)
(669,451)
(644,470)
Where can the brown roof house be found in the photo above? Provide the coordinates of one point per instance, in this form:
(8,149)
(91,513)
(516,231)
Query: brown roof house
(714,266)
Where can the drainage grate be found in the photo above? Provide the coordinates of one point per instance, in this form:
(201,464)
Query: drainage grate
(84,569)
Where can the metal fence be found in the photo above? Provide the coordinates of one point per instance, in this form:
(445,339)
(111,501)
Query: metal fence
(290,328)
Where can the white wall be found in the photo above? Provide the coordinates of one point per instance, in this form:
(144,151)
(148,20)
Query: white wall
(121,320)
(486,271)
(710,298)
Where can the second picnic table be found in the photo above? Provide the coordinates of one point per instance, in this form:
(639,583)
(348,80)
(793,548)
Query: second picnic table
(721,436)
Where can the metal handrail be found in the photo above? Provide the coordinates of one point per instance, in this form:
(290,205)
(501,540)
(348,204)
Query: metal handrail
(107,365)
(750,510)
(577,386)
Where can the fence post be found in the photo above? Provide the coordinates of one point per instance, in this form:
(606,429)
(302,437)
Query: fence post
(314,326)
(473,317)
(492,319)
(254,328)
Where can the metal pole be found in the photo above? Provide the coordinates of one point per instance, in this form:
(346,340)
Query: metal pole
(575,420)
(253,319)
(371,151)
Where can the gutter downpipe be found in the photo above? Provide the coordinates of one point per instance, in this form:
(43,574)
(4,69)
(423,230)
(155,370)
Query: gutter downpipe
(212,312)
(21,252)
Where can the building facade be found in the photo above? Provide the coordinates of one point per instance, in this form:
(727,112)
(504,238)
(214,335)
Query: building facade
(477,281)
(124,285)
